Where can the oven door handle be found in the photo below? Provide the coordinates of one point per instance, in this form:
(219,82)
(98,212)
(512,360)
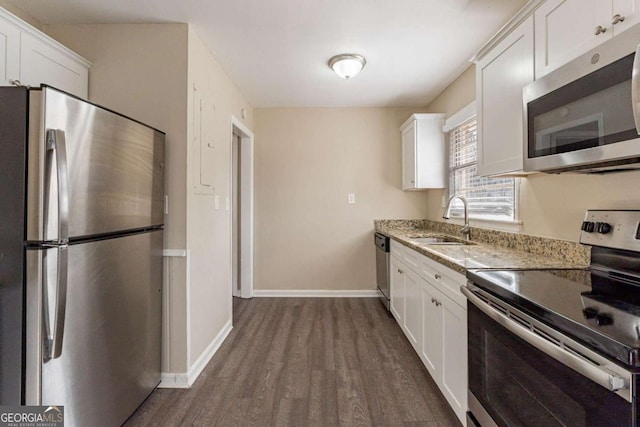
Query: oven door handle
(595,373)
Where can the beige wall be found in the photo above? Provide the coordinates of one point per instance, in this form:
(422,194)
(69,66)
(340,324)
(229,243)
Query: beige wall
(306,162)
(21,14)
(554,205)
(147,71)
(550,205)
(208,229)
(141,70)
(456,96)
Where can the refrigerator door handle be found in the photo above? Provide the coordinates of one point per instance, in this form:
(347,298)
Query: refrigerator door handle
(57,150)
(55,316)
(54,325)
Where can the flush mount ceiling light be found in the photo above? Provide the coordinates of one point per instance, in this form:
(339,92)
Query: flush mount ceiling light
(347,65)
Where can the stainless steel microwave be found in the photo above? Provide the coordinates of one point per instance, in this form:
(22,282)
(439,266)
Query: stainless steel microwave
(585,116)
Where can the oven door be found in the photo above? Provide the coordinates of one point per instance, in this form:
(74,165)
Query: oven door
(514,382)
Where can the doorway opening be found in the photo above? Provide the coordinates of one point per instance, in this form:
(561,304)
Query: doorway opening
(241,210)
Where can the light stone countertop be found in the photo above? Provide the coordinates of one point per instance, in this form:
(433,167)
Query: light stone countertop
(479,254)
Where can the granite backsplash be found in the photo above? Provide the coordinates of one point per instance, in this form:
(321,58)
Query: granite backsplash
(568,251)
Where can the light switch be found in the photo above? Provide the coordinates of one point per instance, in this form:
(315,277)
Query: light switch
(216,202)
(351,198)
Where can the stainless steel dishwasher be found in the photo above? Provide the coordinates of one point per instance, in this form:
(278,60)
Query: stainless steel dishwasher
(383,252)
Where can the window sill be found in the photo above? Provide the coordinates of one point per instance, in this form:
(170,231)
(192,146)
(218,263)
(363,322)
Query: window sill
(492,224)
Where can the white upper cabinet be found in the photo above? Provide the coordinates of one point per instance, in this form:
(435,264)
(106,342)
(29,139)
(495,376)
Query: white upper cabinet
(628,11)
(42,63)
(423,158)
(564,29)
(501,73)
(9,53)
(33,58)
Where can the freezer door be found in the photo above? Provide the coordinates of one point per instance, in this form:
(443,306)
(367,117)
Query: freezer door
(113,174)
(110,355)
(13,125)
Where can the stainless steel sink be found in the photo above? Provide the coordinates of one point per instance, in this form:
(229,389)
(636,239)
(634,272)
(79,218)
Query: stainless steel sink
(438,240)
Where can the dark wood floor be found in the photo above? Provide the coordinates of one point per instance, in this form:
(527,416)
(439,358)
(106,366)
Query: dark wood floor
(306,362)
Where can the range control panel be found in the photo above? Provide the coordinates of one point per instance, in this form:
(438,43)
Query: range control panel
(611,229)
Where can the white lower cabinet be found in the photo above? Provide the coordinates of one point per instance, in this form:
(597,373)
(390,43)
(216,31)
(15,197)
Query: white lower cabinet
(431,353)
(454,356)
(397,289)
(413,308)
(431,311)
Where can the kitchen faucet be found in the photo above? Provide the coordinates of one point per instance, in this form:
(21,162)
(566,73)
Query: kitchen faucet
(466,230)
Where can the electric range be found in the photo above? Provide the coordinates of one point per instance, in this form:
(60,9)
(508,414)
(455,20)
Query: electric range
(564,343)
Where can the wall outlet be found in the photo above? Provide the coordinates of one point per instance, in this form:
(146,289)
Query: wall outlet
(351,198)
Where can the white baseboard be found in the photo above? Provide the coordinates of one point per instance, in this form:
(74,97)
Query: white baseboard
(186,380)
(314,293)
(174,380)
(207,354)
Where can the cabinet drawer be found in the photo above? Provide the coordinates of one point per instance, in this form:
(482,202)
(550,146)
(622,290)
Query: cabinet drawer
(408,256)
(397,249)
(444,279)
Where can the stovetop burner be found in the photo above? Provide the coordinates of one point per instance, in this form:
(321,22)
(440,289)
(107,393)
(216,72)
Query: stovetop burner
(599,306)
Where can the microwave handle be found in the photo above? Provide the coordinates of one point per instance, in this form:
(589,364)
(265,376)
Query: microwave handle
(635,89)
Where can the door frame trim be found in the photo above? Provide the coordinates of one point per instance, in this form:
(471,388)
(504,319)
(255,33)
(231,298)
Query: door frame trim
(246,151)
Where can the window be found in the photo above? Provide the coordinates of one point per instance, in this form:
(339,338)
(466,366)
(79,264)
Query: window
(488,198)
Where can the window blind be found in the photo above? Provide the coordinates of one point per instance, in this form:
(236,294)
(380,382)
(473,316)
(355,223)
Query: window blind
(488,198)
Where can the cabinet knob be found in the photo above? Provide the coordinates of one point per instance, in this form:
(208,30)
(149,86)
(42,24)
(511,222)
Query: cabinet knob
(412,181)
(438,303)
(400,271)
(437,276)
(617,18)
(433,300)
(599,30)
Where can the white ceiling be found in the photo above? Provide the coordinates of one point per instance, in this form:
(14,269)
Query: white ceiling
(276,51)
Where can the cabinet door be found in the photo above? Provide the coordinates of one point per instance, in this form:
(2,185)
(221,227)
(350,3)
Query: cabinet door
(413,308)
(500,77)
(40,63)
(430,152)
(397,289)
(454,360)
(409,136)
(431,353)
(564,29)
(9,53)
(627,9)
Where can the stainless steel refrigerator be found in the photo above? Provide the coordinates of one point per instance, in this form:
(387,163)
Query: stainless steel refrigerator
(82,212)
